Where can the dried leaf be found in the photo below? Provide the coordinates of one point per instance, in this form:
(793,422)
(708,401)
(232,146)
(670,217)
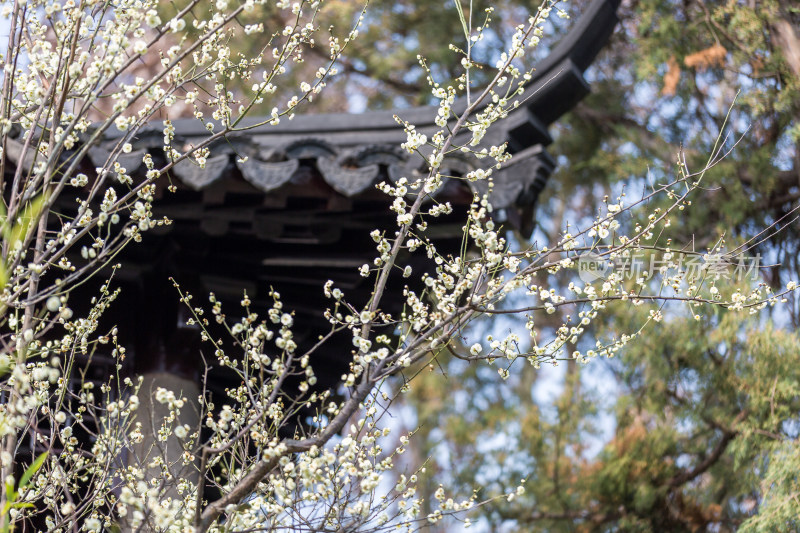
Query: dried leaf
(671,78)
(710,57)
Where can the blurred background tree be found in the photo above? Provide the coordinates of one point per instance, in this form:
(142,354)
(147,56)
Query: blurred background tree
(696,428)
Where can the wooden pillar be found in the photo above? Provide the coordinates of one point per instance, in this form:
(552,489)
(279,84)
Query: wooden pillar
(153,414)
(168,360)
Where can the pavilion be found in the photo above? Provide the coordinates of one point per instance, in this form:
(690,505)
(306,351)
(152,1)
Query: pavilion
(299,209)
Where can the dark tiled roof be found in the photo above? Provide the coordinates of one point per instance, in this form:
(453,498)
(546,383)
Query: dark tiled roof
(354,151)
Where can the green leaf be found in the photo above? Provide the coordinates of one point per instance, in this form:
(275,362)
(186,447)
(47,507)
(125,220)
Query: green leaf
(31,470)
(16,234)
(461,16)
(3,222)
(22,505)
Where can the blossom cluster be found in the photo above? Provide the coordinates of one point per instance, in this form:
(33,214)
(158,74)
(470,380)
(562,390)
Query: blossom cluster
(248,462)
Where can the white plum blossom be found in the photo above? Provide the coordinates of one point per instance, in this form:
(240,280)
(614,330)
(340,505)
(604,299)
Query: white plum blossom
(71,70)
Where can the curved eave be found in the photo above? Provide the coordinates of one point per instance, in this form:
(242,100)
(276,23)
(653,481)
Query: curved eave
(556,86)
(353,151)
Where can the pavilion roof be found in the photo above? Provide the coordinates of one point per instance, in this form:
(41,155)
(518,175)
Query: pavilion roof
(352,152)
(299,209)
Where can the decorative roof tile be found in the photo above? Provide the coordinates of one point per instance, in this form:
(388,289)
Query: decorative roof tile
(268,176)
(198,178)
(352,152)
